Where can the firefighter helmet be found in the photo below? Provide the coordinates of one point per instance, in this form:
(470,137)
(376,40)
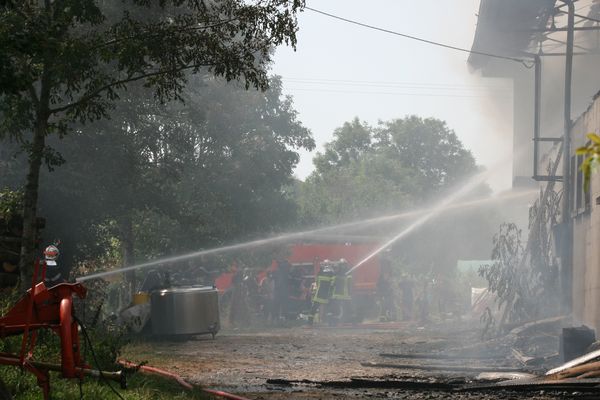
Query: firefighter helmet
(51,253)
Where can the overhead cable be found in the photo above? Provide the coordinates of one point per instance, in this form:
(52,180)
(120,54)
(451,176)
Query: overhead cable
(390,93)
(410,85)
(382,82)
(431,42)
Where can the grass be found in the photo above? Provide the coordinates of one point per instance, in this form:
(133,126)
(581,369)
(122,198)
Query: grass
(107,346)
(107,343)
(147,387)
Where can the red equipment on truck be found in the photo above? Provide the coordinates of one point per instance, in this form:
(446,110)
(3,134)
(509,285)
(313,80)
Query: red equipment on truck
(305,261)
(364,279)
(307,256)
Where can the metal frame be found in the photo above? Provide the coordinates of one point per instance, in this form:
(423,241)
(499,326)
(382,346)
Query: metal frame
(566,252)
(48,308)
(569,53)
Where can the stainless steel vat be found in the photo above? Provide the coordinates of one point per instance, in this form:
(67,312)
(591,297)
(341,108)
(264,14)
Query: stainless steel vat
(185,311)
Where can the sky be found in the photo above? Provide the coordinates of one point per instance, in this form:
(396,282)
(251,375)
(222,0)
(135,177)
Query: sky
(340,71)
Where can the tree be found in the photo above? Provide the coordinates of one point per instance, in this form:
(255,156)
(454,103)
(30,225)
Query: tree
(164,179)
(68,61)
(372,170)
(351,141)
(397,166)
(525,276)
(429,149)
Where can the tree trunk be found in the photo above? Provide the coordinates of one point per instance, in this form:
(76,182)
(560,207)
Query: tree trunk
(127,247)
(30,199)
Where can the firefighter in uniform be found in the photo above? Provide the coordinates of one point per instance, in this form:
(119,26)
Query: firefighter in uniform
(53,270)
(322,292)
(385,292)
(340,295)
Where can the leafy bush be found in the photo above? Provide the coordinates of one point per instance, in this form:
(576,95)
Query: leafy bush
(11,204)
(525,276)
(591,151)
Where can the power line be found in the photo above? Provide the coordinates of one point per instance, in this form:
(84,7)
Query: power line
(385,82)
(404,85)
(389,93)
(584,6)
(394,89)
(587,18)
(431,42)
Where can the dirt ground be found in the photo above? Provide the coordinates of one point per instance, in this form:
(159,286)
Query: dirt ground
(327,363)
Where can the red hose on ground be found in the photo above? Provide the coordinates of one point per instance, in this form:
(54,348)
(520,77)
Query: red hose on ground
(178,379)
(224,394)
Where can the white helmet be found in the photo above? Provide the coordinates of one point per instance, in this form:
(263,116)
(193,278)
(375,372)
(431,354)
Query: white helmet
(51,253)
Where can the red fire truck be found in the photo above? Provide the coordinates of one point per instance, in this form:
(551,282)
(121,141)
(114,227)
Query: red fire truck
(305,260)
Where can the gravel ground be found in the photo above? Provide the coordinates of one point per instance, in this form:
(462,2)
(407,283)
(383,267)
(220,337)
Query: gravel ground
(327,362)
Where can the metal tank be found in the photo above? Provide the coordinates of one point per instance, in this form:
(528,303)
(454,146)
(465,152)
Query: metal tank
(185,311)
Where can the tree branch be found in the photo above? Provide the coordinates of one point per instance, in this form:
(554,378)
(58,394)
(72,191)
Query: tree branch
(154,34)
(119,82)
(94,93)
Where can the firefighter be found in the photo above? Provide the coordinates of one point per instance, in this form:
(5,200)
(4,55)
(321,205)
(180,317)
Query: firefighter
(323,288)
(340,294)
(385,293)
(238,310)
(53,271)
(267,291)
(408,300)
(281,291)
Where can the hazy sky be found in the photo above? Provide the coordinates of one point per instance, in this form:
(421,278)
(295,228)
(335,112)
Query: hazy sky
(340,71)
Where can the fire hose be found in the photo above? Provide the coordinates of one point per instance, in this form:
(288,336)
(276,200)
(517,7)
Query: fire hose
(157,371)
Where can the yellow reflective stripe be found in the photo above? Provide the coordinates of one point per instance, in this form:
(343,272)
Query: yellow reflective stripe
(343,283)
(322,279)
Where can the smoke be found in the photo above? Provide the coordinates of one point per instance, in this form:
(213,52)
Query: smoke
(423,215)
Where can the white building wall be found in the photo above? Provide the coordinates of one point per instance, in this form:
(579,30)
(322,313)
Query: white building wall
(586,225)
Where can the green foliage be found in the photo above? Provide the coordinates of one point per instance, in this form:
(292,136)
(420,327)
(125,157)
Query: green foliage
(107,341)
(399,165)
(107,338)
(366,169)
(507,277)
(189,175)
(12,165)
(68,62)
(8,297)
(592,153)
(140,387)
(525,280)
(351,141)
(11,204)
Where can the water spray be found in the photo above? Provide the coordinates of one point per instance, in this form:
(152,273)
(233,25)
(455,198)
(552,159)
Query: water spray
(308,233)
(444,205)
